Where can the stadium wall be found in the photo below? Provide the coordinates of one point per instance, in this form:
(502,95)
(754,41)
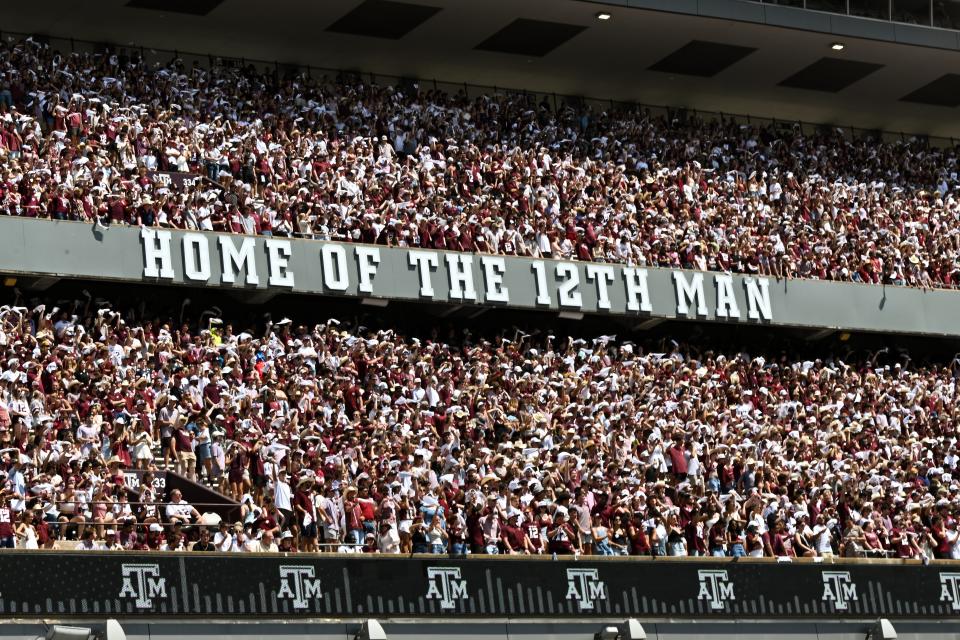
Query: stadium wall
(492,629)
(263,267)
(200,585)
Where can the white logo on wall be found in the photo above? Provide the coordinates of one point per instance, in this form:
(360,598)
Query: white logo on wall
(839,589)
(143,582)
(298,583)
(586,587)
(950,589)
(446,586)
(715,587)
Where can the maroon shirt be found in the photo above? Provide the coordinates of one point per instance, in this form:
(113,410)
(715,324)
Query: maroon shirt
(679,460)
(513,536)
(6,522)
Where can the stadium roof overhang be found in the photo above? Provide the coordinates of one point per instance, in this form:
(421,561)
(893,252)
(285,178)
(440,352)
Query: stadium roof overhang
(556,46)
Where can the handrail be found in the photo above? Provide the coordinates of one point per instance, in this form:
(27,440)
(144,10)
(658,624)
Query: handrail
(138,503)
(888,18)
(836,560)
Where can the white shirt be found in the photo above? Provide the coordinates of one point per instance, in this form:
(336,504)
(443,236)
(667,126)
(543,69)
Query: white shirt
(282,496)
(822,534)
(953,537)
(223,541)
(180,509)
(389,542)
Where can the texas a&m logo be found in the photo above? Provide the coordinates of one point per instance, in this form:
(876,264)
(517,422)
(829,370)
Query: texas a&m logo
(950,589)
(446,586)
(142,582)
(839,589)
(715,587)
(586,587)
(298,583)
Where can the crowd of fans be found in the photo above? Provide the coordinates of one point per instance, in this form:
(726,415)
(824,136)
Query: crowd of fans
(110,139)
(337,437)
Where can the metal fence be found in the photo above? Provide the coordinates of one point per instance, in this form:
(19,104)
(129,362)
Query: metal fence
(943,14)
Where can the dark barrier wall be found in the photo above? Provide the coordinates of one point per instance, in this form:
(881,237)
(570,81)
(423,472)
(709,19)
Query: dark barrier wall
(128,584)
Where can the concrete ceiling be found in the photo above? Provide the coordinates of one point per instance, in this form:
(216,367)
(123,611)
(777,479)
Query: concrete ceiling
(863,85)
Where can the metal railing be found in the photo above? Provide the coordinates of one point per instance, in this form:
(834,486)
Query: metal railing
(941,14)
(280,70)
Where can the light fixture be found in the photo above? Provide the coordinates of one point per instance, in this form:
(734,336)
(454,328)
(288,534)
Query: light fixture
(883,630)
(371,630)
(603,15)
(837,46)
(63,632)
(570,315)
(635,630)
(375,302)
(113,631)
(608,633)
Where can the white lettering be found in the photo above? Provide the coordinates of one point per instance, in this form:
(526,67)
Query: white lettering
(278,257)
(950,589)
(543,296)
(460,272)
(493,270)
(446,585)
(715,587)
(838,587)
(235,259)
(143,583)
(689,292)
(196,257)
(726,300)
(300,584)
(367,260)
(157,262)
(334,267)
(424,261)
(758,298)
(568,293)
(638,296)
(603,275)
(585,587)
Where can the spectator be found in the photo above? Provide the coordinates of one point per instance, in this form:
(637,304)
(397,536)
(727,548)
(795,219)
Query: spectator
(531,443)
(286,543)
(204,543)
(28,534)
(7,523)
(265,543)
(179,510)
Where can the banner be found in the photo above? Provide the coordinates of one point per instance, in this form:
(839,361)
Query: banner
(182,181)
(129,584)
(266,266)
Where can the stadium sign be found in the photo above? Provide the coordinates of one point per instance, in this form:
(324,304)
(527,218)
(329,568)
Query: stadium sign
(448,276)
(263,266)
(132,584)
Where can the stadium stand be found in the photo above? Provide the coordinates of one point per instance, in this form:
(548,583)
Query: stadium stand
(326,351)
(108,139)
(349,438)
